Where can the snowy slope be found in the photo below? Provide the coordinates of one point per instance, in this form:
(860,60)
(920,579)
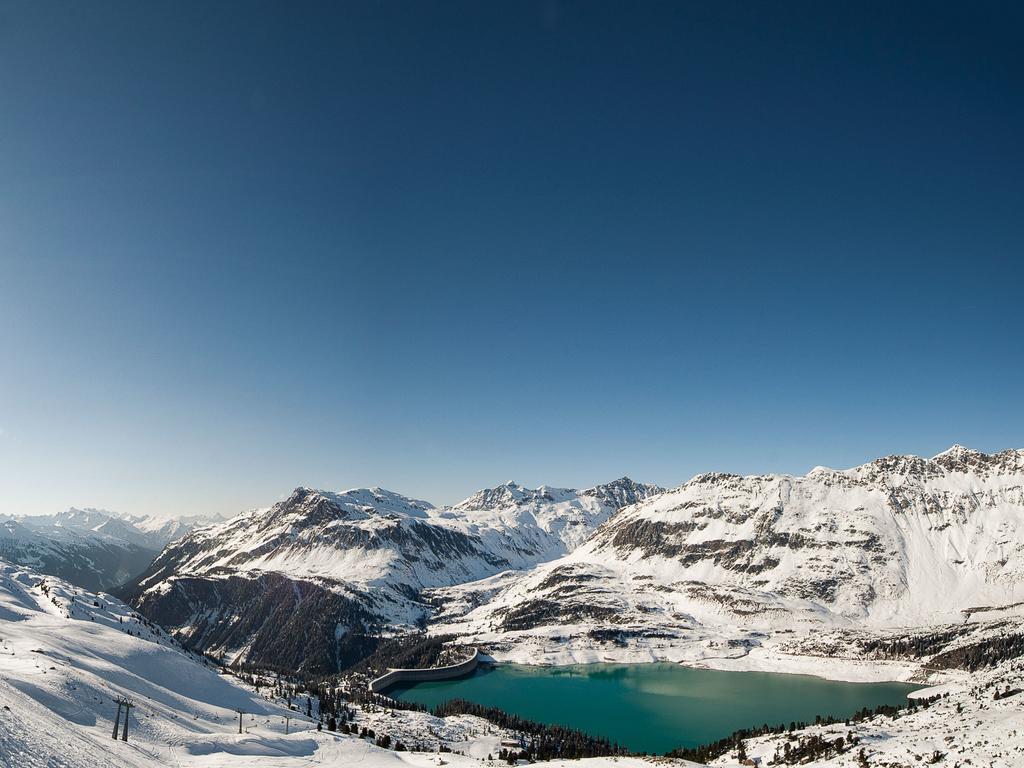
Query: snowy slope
(65,653)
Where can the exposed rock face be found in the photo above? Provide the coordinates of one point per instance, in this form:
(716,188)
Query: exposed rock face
(285,624)
(622,492)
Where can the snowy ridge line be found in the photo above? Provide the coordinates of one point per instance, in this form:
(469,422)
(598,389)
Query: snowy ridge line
(394,676)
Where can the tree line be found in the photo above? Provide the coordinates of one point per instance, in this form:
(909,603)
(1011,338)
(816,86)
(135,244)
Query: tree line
(798,749)
(972,657)
(538,741)
(416,651)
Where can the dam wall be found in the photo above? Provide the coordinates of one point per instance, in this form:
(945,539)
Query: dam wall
(395,676)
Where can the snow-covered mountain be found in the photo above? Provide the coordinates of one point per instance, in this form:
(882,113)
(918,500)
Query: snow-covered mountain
(333,565)
(93,548)
(146,531)
(900,541)
(559,519)
(93,560)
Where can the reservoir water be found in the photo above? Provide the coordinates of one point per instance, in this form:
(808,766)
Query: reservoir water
(656,707)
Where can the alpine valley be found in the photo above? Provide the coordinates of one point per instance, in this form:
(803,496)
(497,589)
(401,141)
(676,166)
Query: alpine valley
(902,569)
(94,548)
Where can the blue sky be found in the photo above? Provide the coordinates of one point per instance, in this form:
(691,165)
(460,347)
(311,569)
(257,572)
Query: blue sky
(436,246)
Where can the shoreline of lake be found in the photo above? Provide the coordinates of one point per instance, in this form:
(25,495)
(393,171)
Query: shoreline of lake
(657,706)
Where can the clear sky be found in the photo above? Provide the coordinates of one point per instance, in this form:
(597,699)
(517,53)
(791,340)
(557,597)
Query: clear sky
(435,246)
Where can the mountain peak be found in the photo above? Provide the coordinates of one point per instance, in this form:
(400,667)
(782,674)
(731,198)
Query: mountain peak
(316,504)
(507,494)
(958,452)
(623,492)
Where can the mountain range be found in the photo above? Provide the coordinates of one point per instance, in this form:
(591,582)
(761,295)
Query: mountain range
(898,542)
(304,582)
(901,541)
(90,547)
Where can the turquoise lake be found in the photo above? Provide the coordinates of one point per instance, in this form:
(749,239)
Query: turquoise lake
(656,707)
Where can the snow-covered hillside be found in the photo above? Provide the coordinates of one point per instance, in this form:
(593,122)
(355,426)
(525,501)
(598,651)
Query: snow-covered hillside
(901,541)
(321,567)
(67,654)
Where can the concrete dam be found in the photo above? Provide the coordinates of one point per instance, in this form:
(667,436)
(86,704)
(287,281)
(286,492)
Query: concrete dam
(395,676)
